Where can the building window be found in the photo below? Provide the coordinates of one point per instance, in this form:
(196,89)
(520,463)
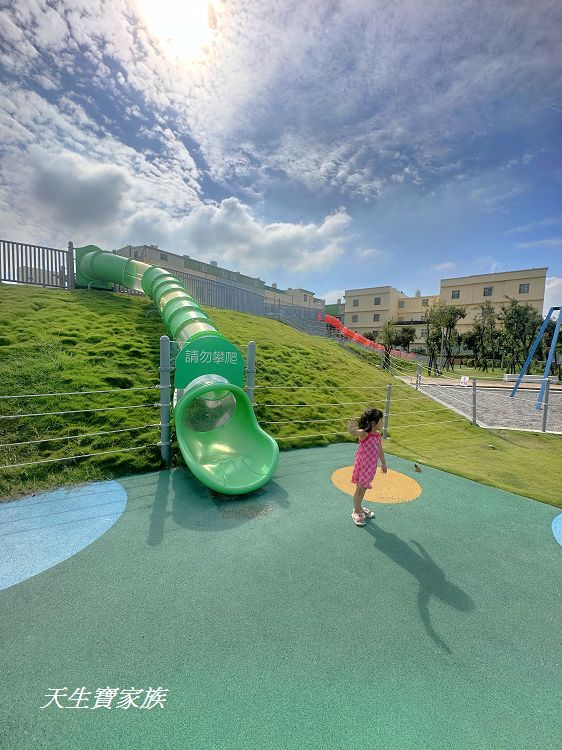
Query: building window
(306,297)
(488,290)
(401,303)
(376,317)
(425,302)
(423,332)
(355,318)
(455,294)
(163,256)
(523,289)
(355,303)
(377,301)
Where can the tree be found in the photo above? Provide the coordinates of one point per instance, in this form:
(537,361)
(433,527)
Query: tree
(389,337)
(521,323)
(406,336)
(482,337)
(441,322)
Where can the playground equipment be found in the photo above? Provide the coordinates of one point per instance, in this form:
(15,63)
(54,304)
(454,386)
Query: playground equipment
(217,431)
(359,339)
(550,357)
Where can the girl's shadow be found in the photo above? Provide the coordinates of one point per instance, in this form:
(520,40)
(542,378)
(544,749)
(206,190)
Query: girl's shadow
(431,579)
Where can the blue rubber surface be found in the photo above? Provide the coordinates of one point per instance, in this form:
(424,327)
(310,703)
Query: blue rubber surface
(43,530)
(557,529)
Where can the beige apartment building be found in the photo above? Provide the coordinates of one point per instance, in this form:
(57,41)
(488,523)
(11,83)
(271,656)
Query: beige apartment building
(153,255)
(525,286)
(272,295)
(367,310)
(301,298)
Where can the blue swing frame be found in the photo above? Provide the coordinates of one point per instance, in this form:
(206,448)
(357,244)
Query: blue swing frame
(532,351)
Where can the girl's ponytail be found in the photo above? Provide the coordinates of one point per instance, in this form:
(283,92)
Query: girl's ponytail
(369,416)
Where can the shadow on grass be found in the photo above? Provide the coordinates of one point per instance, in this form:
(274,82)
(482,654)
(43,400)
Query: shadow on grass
(431,578)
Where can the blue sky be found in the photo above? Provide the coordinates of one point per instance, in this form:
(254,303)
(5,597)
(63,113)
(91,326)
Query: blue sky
(320,144)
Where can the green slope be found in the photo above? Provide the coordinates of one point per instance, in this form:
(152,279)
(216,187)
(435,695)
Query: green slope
(54,341)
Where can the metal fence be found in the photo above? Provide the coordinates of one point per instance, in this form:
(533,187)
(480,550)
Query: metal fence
(218,294)
(306,313)
(22,263)
(36,264)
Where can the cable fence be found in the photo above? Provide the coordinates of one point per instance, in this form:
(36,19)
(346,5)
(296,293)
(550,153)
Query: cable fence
(55,427)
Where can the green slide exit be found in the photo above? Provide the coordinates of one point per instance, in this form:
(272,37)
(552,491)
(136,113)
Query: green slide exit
(218,434)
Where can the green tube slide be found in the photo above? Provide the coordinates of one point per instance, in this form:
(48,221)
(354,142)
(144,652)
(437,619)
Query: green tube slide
(217,431)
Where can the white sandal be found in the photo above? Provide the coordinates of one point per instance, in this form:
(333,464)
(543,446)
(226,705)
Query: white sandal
(358,518)
(368,513)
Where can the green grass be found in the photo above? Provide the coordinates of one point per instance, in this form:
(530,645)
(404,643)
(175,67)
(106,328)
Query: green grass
(55,341)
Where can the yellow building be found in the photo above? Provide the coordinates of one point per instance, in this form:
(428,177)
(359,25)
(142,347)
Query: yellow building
(153,255)
(525,286)
(303,299)
(368,309)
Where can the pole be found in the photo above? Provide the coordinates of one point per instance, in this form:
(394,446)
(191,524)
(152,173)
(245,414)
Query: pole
(418,376)
(251,371)
(441,353)
(165,400)
(531,353)
(71,278)
(474,402)
(545,403)
(550,358)
(387,410)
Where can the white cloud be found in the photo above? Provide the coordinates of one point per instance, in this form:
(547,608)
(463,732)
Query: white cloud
(80,193)
(446,266)
(552,294)
(554,243)
(76,153)
(486,264)
(332,296)
(548,222)
(343,100)
(496,195)
(230,234)
(351,99)
(368,253)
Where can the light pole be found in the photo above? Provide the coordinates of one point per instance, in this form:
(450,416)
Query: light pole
(441,353)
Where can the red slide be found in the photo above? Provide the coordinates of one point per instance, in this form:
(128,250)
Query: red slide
(354,336)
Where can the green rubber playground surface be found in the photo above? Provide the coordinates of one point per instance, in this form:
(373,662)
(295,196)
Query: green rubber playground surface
(274,622)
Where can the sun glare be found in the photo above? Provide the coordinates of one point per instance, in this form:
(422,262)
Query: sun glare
(181,27)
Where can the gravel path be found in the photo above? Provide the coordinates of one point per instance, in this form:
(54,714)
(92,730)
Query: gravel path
(496,408)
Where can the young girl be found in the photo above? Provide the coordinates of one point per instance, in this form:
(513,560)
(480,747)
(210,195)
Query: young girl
(366,459)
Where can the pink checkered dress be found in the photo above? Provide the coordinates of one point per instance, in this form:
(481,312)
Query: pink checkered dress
(366,459)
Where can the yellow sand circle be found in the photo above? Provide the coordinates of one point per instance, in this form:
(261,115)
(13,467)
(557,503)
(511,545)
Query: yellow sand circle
(392,487)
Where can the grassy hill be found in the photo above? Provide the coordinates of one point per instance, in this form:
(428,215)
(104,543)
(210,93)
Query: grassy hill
(67,342)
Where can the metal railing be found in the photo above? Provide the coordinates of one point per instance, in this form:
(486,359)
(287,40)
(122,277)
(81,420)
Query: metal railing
(212,293)
(22,263)
(293,317)
(304,313)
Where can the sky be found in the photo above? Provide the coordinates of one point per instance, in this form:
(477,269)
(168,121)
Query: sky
(320,144)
